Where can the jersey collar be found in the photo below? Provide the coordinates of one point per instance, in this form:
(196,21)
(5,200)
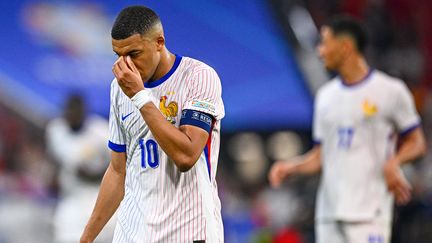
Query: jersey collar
(152,84)
(360,82)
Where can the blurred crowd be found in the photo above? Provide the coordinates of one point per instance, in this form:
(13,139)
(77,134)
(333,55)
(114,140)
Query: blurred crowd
(253,212)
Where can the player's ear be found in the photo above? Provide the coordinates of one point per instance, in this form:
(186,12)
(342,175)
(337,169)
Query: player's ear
(350,44)
(346,45)
(160,42)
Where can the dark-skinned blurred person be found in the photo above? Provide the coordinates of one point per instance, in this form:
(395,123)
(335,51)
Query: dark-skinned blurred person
(77,143)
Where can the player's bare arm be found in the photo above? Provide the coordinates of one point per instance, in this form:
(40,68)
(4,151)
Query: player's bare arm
(412,146)
(307,164)
(111,193)
(183,145)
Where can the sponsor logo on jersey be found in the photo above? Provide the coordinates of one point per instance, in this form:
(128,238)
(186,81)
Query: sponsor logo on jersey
(168,110)
(126,116)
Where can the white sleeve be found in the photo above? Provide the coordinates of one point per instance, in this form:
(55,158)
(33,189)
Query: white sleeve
(317,130)
(117,140)
(205,93)
(404,114)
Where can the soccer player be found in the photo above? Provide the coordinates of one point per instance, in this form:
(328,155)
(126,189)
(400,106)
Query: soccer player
(357,118)
(77,142)
(164,135)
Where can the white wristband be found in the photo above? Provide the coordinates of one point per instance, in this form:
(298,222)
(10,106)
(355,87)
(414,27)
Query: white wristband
(141,98)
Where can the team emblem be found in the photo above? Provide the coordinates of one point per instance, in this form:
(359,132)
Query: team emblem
(170,110)
(369,109)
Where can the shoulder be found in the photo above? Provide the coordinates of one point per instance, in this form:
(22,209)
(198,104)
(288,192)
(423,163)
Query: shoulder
(97,124)
(97,120)
(56,123)
(195,66)
(56,126)
(388,83)
(328,88)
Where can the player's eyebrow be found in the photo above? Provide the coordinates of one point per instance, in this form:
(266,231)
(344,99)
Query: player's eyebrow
(133,52)
(128,53)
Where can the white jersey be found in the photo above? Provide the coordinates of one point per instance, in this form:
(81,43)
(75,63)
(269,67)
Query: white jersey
(357,127)
(162,204)
(85,148)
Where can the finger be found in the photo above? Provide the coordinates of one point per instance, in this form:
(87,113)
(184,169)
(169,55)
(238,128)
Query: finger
(274,177)
(123,66)
(131,64)
(402,199)
(116,63)
(402,194)
(275,182)
(125,60)
(117,71)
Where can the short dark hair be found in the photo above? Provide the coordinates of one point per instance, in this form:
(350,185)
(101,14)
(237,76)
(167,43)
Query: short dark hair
(133,20)
(344,24)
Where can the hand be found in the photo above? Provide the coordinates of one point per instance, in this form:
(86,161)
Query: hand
(279,171)
(128,76)
(396,182)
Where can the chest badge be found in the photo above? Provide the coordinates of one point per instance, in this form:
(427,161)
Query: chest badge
(369,109)
(170,110)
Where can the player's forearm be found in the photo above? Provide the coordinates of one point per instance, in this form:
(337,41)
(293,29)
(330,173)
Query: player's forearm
(111,193)
(310,163)
(413,146)
(176,144)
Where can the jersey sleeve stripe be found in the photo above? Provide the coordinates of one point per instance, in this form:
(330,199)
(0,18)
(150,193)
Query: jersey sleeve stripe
(117,147)
(207,157)
(207,151)
(408,130)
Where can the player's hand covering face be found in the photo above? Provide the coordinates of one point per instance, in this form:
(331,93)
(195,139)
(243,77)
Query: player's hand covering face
(144,51)
(128,76)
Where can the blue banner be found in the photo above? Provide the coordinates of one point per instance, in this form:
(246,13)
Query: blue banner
(52,48)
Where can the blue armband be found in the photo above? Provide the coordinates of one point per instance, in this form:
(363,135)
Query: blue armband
(197,118)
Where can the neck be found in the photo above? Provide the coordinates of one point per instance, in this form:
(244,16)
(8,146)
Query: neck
(166,62)
(354,69)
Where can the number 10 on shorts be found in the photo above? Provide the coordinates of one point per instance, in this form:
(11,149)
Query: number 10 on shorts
(149,153)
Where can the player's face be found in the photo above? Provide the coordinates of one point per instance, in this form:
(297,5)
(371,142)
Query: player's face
(144,52)
(330,49)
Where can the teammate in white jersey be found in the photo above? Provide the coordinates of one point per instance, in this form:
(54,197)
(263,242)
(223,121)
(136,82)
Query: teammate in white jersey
(77,142)
(357,118)
(164,136)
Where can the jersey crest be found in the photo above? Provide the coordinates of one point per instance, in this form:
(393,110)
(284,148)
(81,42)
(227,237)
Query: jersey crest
(369,109)
(170,110)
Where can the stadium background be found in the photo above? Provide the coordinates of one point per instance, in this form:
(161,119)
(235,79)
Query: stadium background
(264,54)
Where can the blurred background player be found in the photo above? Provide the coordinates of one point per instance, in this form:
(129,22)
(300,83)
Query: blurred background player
(77,142)
(165,119)
(357,118)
